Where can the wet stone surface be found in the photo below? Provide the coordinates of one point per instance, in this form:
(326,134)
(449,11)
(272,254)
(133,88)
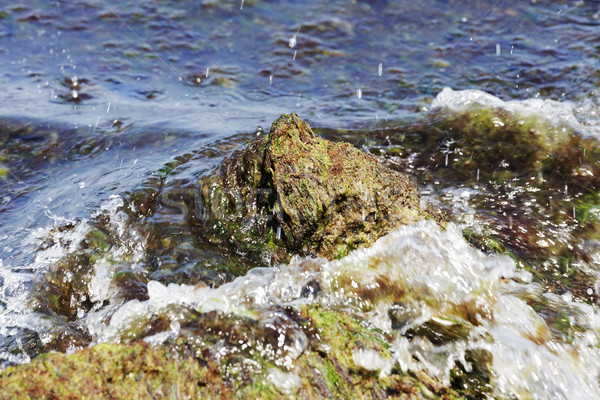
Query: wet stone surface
(112,113)
(295,193)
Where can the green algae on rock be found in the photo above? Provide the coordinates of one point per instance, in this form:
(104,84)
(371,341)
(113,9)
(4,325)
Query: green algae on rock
(194,369)
(523,175)
(292,192)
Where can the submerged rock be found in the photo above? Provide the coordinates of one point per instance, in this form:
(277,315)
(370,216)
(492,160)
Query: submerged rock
(294,193)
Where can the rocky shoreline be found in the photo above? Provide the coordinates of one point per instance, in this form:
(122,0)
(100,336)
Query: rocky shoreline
(292,193)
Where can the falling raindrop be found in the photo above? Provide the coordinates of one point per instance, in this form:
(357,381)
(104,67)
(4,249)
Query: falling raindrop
(380,69)
(359,93)
(279,233)
(498,49)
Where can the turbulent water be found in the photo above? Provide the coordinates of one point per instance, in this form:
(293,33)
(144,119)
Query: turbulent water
(102,100)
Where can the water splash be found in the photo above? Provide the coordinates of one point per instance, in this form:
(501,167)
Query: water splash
(20,315)
(559,115)
(419,276)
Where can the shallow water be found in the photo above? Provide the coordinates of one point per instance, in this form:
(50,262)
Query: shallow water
(101,100)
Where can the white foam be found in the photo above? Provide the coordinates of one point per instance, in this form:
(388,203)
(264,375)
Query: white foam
(558,114)
(371,360)
(16,288)
(57,244)
(436,276)
(287,382)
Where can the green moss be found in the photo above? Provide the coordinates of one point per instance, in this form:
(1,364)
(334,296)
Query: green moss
(106,371)
(190,367)
(323,196)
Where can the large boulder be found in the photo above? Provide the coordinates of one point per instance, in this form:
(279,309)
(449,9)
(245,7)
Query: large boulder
(292,192)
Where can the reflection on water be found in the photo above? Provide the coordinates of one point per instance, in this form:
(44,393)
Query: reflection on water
(112,110)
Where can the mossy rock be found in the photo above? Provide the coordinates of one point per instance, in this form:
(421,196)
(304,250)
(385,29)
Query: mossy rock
(292,192)
(192,368)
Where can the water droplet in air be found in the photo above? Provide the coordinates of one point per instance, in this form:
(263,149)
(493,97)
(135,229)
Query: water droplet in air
(380,69)
(359,93)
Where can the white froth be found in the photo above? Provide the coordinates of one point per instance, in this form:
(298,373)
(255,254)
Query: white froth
(433,274)
(17,286)
(558,114)
(371,360)
(287,382)
(436,276)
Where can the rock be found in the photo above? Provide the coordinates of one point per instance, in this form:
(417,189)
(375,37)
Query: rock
(209,365)
(293,192)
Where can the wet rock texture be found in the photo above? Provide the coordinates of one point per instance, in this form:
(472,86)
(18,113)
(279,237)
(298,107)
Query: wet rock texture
(295,193)
(197,369)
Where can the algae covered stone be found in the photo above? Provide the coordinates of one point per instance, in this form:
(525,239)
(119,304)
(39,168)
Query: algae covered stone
(199,368)
(477,133)
(293,192)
